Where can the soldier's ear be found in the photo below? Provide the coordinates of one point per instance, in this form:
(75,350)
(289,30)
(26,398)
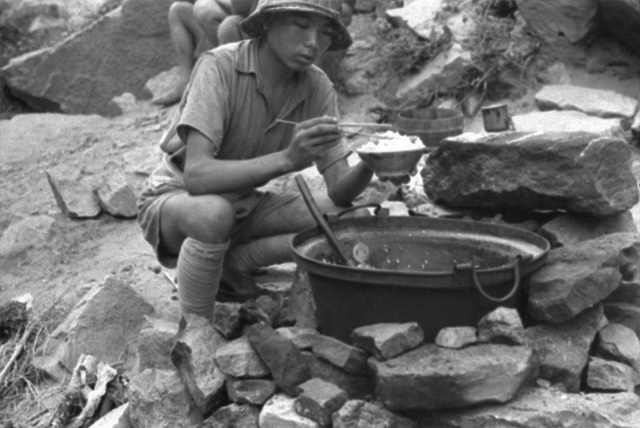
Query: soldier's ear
(266,22)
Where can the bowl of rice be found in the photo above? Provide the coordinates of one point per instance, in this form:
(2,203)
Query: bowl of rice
(392,155)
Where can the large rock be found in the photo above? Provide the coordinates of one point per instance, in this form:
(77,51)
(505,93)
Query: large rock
(578,276)
(105,323)
(203,340)
(568,121)
(567,229)
(83,73)
(430,377)
(622,19)
(160,399)
(574,171)
(545,408)
(552,19)
(595,102)
(563,349)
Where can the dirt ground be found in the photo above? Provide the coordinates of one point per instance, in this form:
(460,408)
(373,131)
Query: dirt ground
(75,254)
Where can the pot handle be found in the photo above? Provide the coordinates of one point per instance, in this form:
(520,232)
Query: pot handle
(516,282)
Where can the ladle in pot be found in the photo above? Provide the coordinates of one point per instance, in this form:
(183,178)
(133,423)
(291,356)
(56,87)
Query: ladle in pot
(321,221)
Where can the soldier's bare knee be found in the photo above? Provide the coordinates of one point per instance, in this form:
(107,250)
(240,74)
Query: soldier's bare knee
(211,220)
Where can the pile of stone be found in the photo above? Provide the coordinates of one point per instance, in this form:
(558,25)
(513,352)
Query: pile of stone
(577,356)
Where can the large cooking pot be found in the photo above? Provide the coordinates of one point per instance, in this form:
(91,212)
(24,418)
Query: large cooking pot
(437,272)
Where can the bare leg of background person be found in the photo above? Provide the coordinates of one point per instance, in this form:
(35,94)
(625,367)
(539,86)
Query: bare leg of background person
(189,41)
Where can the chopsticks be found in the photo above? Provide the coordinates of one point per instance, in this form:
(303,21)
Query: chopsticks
(386,126)
(365,134)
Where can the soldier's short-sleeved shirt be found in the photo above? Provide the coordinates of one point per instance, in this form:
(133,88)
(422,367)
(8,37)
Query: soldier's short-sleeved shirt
(225,101)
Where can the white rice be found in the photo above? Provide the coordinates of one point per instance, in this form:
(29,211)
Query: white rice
(392,142)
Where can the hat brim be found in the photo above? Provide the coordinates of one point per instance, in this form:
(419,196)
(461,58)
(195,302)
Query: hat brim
(254,26)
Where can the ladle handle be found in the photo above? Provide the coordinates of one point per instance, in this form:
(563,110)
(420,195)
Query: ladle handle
(320,220)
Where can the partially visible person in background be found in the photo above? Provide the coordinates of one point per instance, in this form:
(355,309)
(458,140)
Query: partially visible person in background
(199,25)
(229,30)
(194,30)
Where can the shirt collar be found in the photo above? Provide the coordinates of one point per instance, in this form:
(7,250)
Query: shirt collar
(248,64)
(248,57)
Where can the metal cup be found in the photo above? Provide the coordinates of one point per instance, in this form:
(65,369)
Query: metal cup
(496,118)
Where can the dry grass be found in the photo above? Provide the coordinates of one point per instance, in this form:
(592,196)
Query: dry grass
(26,399)
(20,395)
(403,52)
(501,51)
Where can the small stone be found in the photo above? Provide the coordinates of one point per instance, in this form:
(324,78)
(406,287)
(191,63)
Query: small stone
(387,340)
(503,325)
(227,319)
(303,338)
(603,375)
(341,355)
(355,385)
(250,391)
(238,359)
(286,363)
(117,198)
(620,343)
(279,412)
(358,413)
(456,337)
(233,415)
(75,199)
(318,400)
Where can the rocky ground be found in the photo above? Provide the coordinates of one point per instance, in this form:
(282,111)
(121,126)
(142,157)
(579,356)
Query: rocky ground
(57,259)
